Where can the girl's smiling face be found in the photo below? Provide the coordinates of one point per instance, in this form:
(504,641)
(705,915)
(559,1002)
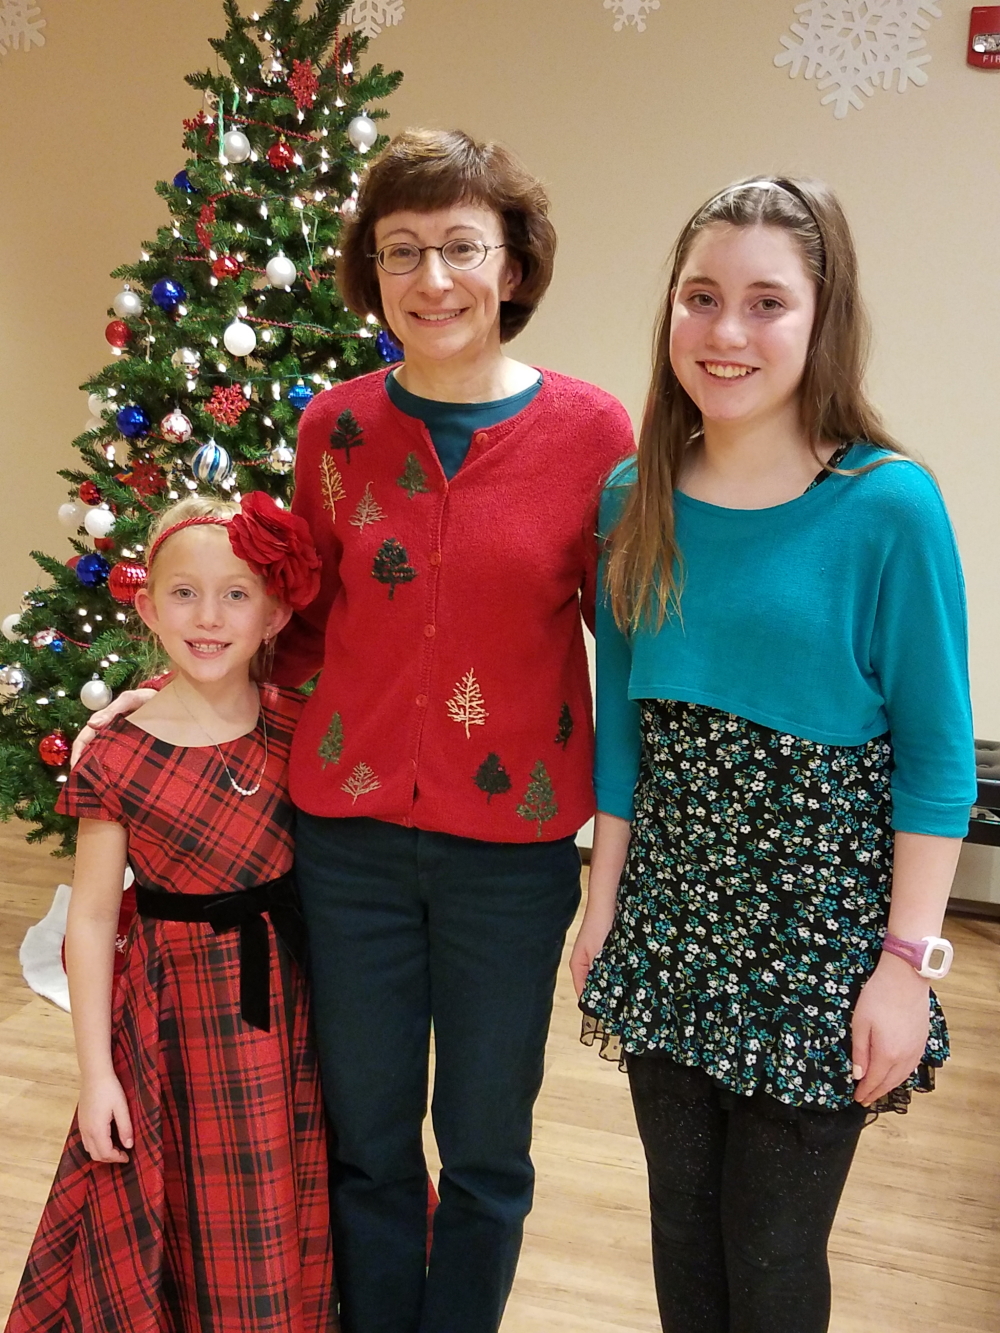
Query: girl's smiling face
(206,606)
(741,321)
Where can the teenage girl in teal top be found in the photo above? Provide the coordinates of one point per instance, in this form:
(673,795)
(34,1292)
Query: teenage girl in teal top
(784,763)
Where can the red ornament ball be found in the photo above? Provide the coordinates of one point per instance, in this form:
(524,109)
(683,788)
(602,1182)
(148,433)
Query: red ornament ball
(125,580)
(118,333)
(281,156)
(72,562)
(104,543)
(54,749)
(227,266)
(89,493)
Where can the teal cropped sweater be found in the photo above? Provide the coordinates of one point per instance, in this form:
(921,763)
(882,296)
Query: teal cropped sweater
(836,617)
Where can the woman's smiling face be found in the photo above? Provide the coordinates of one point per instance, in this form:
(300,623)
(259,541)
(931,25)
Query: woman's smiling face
(437,312)
(741,323)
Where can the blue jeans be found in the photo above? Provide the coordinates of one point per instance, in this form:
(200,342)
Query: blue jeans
(409,930)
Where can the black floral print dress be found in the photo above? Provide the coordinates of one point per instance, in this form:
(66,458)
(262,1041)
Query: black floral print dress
(751,908)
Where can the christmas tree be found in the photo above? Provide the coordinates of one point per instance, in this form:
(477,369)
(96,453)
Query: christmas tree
(221,335)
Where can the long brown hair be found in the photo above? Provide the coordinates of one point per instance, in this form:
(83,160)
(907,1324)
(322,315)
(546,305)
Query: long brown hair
(644,562)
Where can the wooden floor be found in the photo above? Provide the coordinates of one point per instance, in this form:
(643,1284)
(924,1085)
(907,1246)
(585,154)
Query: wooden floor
(917,1243)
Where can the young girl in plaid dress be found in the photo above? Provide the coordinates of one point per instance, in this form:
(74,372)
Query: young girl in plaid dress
(192,1192)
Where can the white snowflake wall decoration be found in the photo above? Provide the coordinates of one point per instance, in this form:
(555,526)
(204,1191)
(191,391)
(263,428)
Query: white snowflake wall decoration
(631,13)
(371,16)
(856,48)
(20,26)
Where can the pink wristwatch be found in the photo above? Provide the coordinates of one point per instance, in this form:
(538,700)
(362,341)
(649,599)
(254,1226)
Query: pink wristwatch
(920,954)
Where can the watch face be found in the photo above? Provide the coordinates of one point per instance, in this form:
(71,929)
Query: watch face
(938,957)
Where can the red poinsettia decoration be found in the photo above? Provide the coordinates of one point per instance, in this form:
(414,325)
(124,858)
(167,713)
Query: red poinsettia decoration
(147,478)
(227,404)
(278,546)
(303,83)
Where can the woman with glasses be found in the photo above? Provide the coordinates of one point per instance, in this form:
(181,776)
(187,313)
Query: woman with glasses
(443,764)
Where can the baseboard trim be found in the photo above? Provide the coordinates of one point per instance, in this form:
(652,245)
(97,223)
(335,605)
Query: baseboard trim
(973,907)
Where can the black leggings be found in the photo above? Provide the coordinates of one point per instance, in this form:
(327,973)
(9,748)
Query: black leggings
(743,1193)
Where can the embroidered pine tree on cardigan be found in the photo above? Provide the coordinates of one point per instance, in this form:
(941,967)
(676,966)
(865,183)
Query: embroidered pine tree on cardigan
(392,565)
(492,778)
(565,726)
(332,745)
(539,802)
(413,478)
(466,705)
(361,782)
(368,511)
(332,484)
(347,434)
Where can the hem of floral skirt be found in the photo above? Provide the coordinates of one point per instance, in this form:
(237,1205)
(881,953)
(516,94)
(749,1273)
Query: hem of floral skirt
(897,1100)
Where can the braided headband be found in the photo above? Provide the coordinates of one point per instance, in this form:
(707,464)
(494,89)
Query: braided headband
(276,544)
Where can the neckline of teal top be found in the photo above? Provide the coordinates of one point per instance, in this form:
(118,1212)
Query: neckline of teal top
(451,426)
(812,495)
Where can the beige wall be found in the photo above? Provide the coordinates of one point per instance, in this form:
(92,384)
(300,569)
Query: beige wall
(629,130)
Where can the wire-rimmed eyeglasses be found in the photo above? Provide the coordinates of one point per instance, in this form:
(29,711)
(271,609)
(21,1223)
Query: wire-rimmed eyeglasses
(460,254)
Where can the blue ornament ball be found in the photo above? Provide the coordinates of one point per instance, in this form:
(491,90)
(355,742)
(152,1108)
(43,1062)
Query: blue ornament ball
(133,422)
(211,463)
(168,294)
(92,570)
(182,181)
(57,645)
(300,396)
(388,349)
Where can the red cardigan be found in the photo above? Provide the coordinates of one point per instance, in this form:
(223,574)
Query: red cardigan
(454,693)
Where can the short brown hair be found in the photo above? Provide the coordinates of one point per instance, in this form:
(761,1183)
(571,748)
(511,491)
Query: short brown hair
(424,170)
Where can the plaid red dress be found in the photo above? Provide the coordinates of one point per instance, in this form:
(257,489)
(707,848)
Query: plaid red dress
(219,1222)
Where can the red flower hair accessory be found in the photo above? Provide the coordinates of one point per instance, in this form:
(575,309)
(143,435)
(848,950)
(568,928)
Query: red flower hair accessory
(278,546)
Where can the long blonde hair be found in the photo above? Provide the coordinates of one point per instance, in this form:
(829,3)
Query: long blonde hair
(643,560)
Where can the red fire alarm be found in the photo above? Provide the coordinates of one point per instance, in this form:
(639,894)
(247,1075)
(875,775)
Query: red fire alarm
(984,37)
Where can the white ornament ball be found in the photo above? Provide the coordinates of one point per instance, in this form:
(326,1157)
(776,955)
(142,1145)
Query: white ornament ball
(95,694)
(362,133)
(176,428)
(94,423)
(236,146)
(99,521)
(71,515)
(281,272)
(239,338)
(127,304)
(95,404)
(8,626)
(349,208)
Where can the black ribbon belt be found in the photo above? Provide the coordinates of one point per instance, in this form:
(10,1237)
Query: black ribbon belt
(244,909)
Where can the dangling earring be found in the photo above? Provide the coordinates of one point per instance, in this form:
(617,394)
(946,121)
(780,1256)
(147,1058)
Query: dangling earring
(266,658)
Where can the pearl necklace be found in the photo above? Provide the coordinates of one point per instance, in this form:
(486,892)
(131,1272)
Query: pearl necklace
(240,791)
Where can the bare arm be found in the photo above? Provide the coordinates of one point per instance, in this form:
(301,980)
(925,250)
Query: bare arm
(889,1029)
(611,839)
(91,928)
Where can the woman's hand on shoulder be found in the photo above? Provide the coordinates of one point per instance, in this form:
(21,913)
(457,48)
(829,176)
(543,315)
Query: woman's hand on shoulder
(103,1104)
(127,702)
(889,1028)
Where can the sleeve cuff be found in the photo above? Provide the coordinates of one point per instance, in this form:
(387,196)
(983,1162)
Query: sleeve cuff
(913,814)
(615,801)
